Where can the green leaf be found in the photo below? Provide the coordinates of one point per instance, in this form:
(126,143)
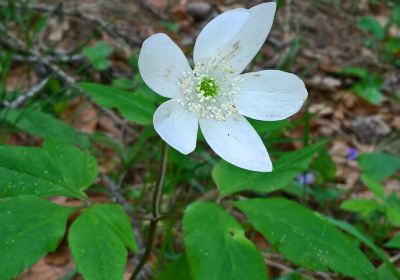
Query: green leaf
(217,247)
(231,179)
(306,238)
(355,71)
(362,237)
(394,242)
(45,126)
(384,273)
(392,47)
(369,85)
(369,92)
(288,59)
(395,16)
(374,186)
(177,270)
(134,62)
(98,240)
(78,168)
(263,127)
(124,83)
(132,106)
(325,165)
(370,24)
(55,169)
(143,89)
(362,206)
(30,227)
(170,26)
(40,24)
(393,213)
(98,54)
(378,166)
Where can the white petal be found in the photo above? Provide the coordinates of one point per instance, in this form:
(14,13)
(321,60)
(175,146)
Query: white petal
(176,126)
(245,46)
(237,142)
(270,95)
(216,35)
(161,64)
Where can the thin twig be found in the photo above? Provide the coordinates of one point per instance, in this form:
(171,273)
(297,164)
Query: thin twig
(53,58)
(395,258)
(287,269)
(112,30)
(115,191)
(155,211)
(323,275)
(31,93)
(16,43)
(151,10)
(281,267)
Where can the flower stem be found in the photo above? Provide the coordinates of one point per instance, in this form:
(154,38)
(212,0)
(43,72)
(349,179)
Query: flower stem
(155,211)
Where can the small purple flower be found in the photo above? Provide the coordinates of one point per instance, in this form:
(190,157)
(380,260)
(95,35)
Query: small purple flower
(306,178)
(352,153)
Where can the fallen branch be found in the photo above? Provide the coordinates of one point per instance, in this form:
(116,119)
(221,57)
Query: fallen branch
(31,93)
(108,27)
(15,43)
(52,58)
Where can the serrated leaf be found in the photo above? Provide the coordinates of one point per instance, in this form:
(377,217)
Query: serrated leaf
(379,166)
(55,169)
(362,237)
(132,106)
(217,247)
(231,179)
(30,227)
(98,240)
(306,238)
(44,125)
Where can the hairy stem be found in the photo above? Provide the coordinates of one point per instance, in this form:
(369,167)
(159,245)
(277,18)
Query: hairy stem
(155,211)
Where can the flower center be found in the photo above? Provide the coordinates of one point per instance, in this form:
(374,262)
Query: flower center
(210,90)
(208,87)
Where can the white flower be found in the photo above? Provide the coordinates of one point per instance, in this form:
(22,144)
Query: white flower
(214,94)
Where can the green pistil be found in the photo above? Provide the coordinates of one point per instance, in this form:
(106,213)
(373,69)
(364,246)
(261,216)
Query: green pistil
(208,87)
